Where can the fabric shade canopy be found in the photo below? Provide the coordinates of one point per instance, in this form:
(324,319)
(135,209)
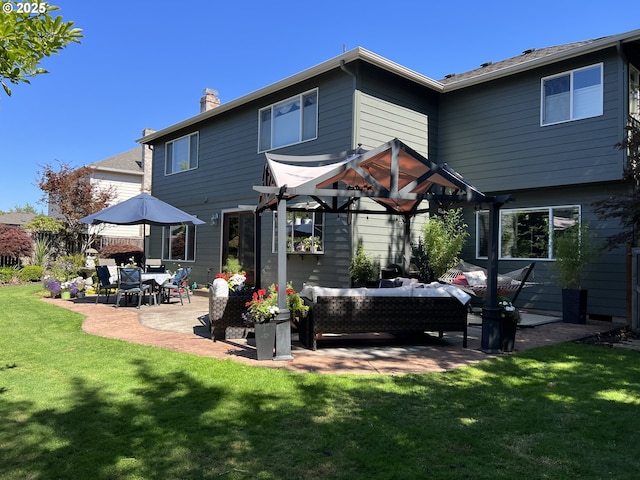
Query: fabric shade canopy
(393,175)
(142,209)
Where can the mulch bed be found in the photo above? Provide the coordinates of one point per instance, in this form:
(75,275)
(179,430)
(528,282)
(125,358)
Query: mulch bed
(608,339)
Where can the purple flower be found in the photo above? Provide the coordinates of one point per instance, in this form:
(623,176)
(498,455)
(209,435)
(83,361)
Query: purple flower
(54,287)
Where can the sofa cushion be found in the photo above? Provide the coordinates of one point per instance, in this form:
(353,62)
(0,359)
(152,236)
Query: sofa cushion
(389,292)
(337,292)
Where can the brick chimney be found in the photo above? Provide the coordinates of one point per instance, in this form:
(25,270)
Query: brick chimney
(209,100)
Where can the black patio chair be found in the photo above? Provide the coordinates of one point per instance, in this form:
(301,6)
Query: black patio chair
(156,269)
(130,283)
(104,282)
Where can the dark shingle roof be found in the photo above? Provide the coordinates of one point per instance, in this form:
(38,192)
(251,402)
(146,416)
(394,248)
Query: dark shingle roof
(526,56)
(129,161)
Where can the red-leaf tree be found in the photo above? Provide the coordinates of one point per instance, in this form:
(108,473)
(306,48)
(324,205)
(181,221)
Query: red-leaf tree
(71,195)
(15,242)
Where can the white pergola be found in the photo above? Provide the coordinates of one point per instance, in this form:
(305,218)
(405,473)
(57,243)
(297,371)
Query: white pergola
(395,177)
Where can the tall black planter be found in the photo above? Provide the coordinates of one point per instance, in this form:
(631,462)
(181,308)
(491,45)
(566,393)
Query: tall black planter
(508,335)
(574,306)
(491,333)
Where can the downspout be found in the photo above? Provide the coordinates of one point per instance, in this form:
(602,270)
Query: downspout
(354,87)
(354,123)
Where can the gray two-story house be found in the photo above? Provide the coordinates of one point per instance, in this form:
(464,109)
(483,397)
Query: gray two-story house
(540,126)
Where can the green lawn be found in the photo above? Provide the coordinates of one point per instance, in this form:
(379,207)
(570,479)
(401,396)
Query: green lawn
(73,406)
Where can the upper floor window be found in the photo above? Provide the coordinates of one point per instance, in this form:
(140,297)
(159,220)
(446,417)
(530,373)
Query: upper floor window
(572,95)
(526,233)
(181,154)
(305,232)
(634,92)
(291,121)
(179,243)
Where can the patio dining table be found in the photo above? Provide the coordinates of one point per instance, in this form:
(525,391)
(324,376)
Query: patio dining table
(156,280)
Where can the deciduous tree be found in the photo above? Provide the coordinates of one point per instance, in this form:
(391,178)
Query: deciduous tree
(71,195)
(14,242)
(29,35)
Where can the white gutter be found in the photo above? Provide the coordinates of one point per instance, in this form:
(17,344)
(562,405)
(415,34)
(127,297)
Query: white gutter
(360,53)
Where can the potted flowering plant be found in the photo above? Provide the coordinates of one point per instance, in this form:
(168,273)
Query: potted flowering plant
(510,318)
(54,287)
(236,281)
(263,306)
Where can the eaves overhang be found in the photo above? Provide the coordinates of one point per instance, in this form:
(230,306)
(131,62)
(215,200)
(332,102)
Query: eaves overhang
(353,55)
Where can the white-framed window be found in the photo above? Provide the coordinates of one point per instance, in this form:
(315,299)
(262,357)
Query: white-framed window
(291,121)
(526,233)
(634,92)
(181,154)
(179,243)
(572,95)
(305,232)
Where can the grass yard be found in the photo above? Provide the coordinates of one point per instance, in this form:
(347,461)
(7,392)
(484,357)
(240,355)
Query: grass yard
(73,406)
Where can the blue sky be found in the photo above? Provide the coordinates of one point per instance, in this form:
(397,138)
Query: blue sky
(145,63)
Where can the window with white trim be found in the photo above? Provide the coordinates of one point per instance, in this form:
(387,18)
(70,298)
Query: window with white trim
(572,95)
(526,233)
(179,243)
(305,232)
(634,92)
(181,154)
(291,121)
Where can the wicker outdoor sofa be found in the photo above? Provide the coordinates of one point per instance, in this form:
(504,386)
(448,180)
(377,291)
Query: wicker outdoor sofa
(381,310)
(401,310)
(226,312)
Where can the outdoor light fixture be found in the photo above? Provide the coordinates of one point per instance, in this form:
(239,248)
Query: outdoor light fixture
(214,219)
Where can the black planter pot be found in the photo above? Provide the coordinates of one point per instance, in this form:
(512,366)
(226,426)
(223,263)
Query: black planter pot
(507,335)
(491,332)
(574,306)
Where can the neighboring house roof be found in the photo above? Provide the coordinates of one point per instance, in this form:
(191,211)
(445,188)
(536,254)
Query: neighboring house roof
(533,59)
(126,162)
(16,219)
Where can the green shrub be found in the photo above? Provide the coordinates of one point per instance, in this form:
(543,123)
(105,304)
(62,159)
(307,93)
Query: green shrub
(31,273)
(9,274)
(444,237)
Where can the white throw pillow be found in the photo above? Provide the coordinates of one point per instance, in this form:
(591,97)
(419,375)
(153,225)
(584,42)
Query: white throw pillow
(220,288)
(476,278)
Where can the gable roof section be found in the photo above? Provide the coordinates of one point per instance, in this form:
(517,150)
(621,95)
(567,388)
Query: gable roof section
(393,175)
(533,59)
(126,162)
(17,219)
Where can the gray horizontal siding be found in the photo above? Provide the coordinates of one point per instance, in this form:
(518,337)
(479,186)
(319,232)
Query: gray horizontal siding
(491,134)
(229,165)
(605,277)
